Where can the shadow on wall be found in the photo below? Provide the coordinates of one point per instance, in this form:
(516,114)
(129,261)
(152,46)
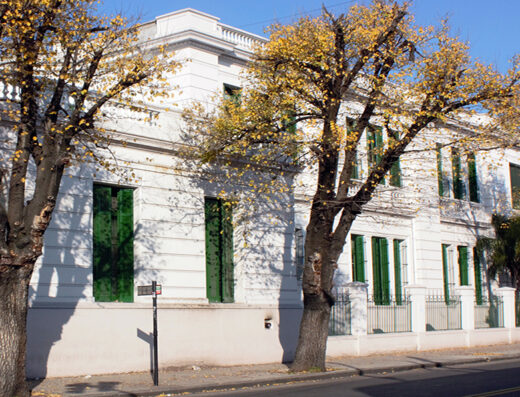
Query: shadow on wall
(265,266)
(61,278)
(64,278)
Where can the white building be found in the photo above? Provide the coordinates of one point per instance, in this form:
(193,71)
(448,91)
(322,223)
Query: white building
(225,302)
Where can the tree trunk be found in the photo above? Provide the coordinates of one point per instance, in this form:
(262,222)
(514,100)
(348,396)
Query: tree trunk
(14,285)
(317,301)
(314,330)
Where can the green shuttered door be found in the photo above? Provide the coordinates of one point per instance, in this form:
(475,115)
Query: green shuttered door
(397,272)
(445,273)
(380,271)
(113,260)
(358,258)
(478,277)
(463,265)
(472,178)
(219,251)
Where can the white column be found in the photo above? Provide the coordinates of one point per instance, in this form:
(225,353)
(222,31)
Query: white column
(357,295)
(466,294)
(417,296)
(508,305)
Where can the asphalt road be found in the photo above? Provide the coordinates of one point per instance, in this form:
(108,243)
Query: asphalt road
(499,378)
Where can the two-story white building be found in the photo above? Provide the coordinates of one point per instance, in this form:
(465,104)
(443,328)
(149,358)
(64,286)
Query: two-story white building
(224,301)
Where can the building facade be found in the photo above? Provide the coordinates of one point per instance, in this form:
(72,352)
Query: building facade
(231,293)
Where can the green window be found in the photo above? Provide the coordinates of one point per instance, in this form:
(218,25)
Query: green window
(472,179)
(351,128)
(514,171)
(398,283)
(380,271)
(374,147)
(463,265)
(289,123)
(458,184)
(358,258)
(446,273)
(478,277)
(219,250)
(440,176)
(395,171)
(113,262)
(299,237)
(232,93)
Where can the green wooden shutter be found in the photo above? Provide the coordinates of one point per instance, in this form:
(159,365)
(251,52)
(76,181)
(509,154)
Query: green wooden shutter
(514,171)
(445,273)
(213,250)
(478,276)
(102,247)
(458,186)
(395,171)
(463,265)
(374,147)
(472,179)
(376,270)
(227,252)
(351,128)
(440,177)
(385,273)
(397,272)
(125,259)
(380,271)
(358,258)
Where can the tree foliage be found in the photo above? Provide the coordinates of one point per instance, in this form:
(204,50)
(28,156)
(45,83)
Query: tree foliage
(503,251)
(60,64)
(312,90)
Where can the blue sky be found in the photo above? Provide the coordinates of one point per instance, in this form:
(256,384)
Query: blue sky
(491,27)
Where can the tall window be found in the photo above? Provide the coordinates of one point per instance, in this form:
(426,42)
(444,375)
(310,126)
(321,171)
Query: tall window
(478,276)
(113,262)
(395,171)
(351,129)
(358,258)
(380,271)
(472,178)
(514,171)
(232,93)
(299,236)
(446,272)
(374,147)
(441,180)
(458,183)
(463,265)
(398,276)
(219,250)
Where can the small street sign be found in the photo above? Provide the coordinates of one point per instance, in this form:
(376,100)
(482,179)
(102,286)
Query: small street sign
(148,289)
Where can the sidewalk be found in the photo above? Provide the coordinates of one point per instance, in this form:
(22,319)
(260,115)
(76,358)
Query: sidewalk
(184,380)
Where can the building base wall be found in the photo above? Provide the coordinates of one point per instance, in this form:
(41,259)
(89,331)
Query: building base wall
(97,339)
(408,341)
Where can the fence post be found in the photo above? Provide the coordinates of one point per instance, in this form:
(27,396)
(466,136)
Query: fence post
(508,305)
(417,296)
(357,295)
(466,294)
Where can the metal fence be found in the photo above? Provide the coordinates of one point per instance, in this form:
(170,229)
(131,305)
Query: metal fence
(442,314)
(340,314)
(490,314)
(392,316)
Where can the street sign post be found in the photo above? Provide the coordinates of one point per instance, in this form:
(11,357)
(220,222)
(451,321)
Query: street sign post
(154,290)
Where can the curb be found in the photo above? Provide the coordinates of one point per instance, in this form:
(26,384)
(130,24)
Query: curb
(341,373)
